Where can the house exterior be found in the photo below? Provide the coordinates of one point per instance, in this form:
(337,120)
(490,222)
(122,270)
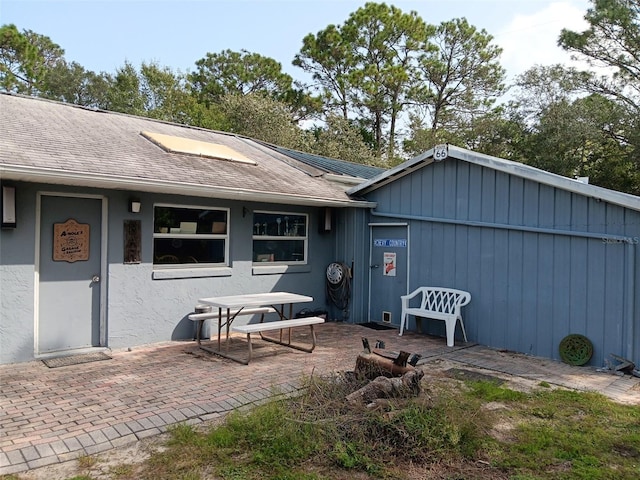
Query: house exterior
(543,256)
(114,226)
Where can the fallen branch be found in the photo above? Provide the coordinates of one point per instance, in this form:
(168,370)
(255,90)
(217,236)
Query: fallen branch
(383,387)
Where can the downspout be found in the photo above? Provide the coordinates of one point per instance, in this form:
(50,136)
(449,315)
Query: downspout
(631,242)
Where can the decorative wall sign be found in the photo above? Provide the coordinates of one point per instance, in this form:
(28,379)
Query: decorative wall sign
(132,240)
(70,241)
(390,242)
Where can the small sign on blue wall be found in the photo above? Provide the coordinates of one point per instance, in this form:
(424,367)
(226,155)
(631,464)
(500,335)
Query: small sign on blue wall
(390,242)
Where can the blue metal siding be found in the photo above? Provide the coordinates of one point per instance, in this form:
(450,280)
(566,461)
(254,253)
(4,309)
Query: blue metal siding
(529,288)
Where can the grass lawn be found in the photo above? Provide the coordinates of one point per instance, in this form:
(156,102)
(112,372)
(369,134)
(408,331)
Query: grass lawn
(455,429)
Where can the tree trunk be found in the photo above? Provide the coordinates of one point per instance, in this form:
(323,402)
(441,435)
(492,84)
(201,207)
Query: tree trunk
(370,365)
(382,387)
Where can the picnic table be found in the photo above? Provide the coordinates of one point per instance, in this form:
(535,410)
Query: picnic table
(231,306)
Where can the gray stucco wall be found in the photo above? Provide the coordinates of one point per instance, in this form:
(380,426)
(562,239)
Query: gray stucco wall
(540,262)
(139,308)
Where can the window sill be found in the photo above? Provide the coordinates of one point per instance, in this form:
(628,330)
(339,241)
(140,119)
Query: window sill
(278,269)
(171,273)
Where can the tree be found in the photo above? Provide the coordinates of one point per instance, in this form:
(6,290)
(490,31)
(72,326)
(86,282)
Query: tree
(245,73)
(327,57)
(612,40)
(71,83)
(25,59)
(124,92)
(342,139)
(582,138)
(461,79)
(541,86)
(385,43)
(364,68)
(264,119)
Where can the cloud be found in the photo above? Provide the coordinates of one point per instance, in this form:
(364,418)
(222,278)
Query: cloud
(530,40)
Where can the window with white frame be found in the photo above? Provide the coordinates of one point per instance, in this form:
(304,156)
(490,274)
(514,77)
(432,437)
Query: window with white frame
(280,237)
(190,235)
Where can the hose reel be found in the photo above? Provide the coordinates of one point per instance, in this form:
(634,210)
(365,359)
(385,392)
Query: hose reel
(338,286)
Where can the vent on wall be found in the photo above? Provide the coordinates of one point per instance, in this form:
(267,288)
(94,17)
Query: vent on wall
(386,317)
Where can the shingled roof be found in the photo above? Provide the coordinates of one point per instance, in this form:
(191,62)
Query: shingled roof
(52,142)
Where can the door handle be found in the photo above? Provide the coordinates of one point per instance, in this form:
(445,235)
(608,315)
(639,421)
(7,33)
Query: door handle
(374,266)
(95,279)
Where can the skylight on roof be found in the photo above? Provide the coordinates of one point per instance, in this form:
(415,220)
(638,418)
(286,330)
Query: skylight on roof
(175,144)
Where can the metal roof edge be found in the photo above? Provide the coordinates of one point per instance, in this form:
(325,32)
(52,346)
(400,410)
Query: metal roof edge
(393,174)
(40,175)
(345,179)
(507,166)
(542,176)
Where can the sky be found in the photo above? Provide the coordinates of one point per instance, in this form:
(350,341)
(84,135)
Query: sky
(101,35)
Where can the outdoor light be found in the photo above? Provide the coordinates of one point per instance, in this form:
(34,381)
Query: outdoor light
(8,206)
(134,205)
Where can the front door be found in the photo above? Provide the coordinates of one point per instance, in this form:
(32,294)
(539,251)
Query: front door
(69,274)
(388,279)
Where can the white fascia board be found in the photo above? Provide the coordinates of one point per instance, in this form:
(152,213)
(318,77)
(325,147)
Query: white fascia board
(28,174)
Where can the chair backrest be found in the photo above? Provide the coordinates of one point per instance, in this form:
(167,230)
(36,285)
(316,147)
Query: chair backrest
(445,300)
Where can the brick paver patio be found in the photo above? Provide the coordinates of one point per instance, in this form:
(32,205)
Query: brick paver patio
(50,415)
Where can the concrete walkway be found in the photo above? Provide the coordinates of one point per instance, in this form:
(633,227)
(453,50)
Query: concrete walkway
(51,415)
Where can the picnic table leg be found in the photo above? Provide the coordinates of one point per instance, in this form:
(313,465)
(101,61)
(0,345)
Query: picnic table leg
(313,338)
(226,340)
(219,325)
(250,348)
(199,330)
(291,345)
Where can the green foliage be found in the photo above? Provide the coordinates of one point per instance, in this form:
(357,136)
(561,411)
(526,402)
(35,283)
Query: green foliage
(264,119)
(461,78)
(350,456)
(364,67)
(341,139)
(492,392)
(25,58)
(71,83)
(612,41)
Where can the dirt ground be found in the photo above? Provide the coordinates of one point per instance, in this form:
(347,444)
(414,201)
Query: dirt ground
(106,465)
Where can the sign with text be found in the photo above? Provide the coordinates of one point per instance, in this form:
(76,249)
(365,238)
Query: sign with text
(389,264)
(70,241)
(390,242)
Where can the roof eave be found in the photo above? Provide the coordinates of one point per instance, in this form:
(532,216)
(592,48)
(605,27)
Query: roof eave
(393,174)
(49,176)
(507,166)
